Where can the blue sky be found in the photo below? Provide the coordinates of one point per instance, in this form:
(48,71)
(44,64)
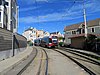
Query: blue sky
(54,15)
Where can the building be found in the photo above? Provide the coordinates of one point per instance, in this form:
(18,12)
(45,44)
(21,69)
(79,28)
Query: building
(40,34)
(75,34)
(9,15)
(3,14)
(46,33)
(58,34)
(30,34)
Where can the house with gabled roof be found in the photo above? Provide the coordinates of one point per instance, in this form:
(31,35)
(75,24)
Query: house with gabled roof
(75,34)
(55,34)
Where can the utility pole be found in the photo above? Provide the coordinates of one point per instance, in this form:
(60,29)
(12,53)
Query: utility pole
(84,11)
(12,39)
(13,36)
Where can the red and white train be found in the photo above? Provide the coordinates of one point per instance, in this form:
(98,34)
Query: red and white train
(48,41)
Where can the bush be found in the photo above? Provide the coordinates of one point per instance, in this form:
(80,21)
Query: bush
(61,43)
(30,43)
(91,42)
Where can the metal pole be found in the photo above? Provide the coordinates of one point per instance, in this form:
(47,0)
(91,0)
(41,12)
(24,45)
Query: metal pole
(12,28)
(12,39)
(85,20)
(13,44)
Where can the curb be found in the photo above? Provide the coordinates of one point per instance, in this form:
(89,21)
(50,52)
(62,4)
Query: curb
(12,62)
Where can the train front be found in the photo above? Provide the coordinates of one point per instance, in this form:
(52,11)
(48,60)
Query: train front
(53,41)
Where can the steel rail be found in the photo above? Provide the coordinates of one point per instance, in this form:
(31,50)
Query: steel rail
(81,54)
(27,64)
(46,72)
(39,70)
(78,63)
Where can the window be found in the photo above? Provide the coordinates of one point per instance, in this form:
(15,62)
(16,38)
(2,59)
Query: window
(6,3)
(0,2)
(50,40)
(92,30)
(83,31)
(73,32)
(54,41)
(0,16)
(79,30)
(54,37)
(68,32)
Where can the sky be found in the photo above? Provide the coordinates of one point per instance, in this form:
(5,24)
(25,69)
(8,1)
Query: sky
(54,15)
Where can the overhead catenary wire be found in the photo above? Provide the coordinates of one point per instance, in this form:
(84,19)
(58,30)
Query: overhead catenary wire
(67,13)
(69,8)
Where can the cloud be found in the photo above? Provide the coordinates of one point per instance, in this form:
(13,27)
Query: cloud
(27,19)
(45,18)
(42,0)
(28,2)
(94,6)
(75,12)
(48,18)
(33,1)
(91,8)
(28,9)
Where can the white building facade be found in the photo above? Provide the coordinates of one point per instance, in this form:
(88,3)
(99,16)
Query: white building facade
(30,34)
(3,14)
(9,15)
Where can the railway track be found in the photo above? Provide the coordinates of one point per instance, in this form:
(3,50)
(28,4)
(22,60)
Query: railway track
(41,62)
(22,64)
(38,65)
(27,65)
(81,61)
(83,55)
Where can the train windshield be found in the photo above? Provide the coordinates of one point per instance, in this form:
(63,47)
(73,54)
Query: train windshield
(54,41)
(54,37)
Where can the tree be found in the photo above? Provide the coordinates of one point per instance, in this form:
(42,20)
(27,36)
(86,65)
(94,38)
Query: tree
(90,42)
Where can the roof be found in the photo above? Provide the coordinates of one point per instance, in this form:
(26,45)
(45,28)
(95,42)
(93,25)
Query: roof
(29,29)
(54,33)
(89,24)
(82,35)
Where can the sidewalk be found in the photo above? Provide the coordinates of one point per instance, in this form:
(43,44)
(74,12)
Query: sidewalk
(8,64)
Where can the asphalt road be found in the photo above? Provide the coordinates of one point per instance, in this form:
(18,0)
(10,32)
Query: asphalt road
(58,64)
(61,65)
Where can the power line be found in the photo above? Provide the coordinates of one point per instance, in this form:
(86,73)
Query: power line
(70,8)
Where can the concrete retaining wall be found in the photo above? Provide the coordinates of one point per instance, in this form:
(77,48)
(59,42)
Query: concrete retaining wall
(9,53)
(6,40)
